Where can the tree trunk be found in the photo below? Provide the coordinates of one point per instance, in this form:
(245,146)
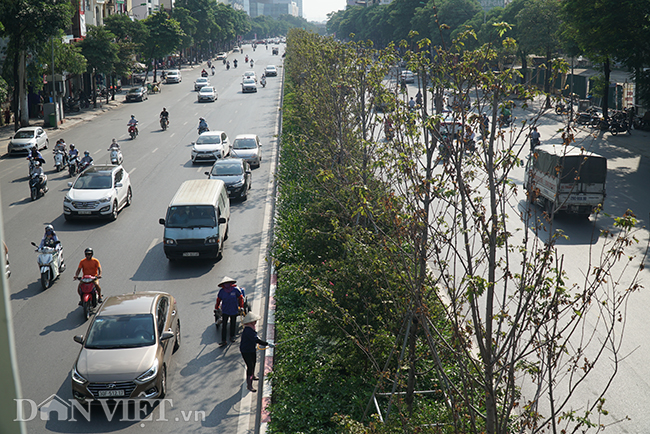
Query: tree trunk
(23,109)
(607,72)
(549,78)
(524,67)
(410,384)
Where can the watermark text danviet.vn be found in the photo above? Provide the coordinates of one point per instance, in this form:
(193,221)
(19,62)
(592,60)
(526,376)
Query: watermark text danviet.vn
(123,410)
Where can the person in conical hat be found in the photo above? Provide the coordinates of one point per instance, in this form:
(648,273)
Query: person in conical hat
(247,348)
(231,300)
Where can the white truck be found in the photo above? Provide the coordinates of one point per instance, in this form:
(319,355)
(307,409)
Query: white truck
(565,178)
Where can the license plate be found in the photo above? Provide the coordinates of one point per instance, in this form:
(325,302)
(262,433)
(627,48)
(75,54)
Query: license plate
(108,393)
(84,212)
(191,254)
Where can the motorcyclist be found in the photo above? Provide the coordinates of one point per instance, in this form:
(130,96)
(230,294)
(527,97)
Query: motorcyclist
(114,145)
(133,122)
(60,146)
(412,104)
(212,68)
(252,63)
(203,125)
(38,171)
(51,240)
(204,73)
(534,138)
(164,114)
(90,267)
(87,160)
(263,80)
(227,64)
(246,60)
(234,63)
(74,153)
(35,155)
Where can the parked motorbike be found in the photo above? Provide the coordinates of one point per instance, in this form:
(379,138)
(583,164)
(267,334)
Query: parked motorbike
(619,125)
(71,105)
(133,131)
(561,108)
(51,263)
(88,295)
(73,166)
(116,156)
(37,185)
(59,160)
(164,122)
(587,117)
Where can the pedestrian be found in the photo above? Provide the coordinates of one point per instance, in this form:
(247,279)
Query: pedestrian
(534,138)
(247,348)
(231,299)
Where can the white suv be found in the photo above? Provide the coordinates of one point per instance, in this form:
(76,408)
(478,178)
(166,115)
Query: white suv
(99,191)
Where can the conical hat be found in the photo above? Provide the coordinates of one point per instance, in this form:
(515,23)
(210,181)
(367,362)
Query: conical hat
(250,317)
(226,279)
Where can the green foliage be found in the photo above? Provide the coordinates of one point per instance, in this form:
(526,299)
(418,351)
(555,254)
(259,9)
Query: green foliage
(99,49)
(264,26)
(164,35)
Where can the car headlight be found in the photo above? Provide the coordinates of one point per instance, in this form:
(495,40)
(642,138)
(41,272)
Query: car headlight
(76,376)
(149,374)
(66,199)
(212,240)
(169,242)
(238,184)
(105,199)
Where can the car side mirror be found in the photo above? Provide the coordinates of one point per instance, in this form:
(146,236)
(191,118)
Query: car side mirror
(79,339)
(166,335)
(207,173)
(161,221)
(119,185)
(222,220)
(70,184)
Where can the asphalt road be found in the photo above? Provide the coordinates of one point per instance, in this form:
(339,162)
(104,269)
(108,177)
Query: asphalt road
(207,390)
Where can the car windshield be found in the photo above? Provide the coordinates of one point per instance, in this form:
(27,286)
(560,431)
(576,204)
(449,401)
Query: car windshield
(201,80)
(249,81)
(93,181)
(270,68)
(135,90)
(227,168)
(207,90)
(190,216)
(244,144)
(208,140)
(121,331)
(172,73)
(24,135)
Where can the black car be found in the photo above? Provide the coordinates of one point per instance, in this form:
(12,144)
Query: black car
(235,173)
(137,94)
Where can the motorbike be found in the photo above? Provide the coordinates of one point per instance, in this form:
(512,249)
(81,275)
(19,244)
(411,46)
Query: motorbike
(618,125)
(133,131)
(263,82)
(116,156)
(37,185)
(71,105)
(252,63)
(73,165)
(204,73)
(505,121)
(7,270)
(59,160)
(587,117)
(234,63)
(83,165)
(561,109)
(88,295)
(163,123)
(51,263)
(203,130)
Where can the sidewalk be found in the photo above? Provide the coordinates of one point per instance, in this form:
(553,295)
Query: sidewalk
(637,143)
(70,121)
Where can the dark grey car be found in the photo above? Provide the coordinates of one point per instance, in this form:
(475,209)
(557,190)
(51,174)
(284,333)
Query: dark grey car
(235,173)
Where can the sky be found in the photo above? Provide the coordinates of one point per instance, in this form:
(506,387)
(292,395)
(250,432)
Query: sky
(317,10)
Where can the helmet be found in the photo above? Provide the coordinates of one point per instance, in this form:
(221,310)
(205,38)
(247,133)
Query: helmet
(37,164)
(201,119)
(132,116)
(86,153)
(164,109)
(49,228)
(113,140)
(88,250)
(71,145)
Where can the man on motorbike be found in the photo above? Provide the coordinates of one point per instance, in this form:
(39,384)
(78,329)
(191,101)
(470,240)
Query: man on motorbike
(51,240)
(234,63)
(263,80)
(534,138)
(164,114)
(203,125)
(114,144)
(90,267)
(35,155)
(86,161)
(204,73)
(133,122)
(38,171)
(60,146)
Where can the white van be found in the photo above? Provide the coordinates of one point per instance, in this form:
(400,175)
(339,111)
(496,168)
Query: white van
(197,220)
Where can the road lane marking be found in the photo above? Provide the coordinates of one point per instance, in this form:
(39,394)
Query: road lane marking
(154,150)
(172,134)
(152,245)
(131,171)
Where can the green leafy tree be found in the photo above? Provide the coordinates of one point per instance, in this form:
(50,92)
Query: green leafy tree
(188,25)
(164,37)
(28,24)
(129,37)
(100,50)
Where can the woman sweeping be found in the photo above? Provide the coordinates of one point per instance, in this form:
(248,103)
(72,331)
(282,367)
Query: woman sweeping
(247,348)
